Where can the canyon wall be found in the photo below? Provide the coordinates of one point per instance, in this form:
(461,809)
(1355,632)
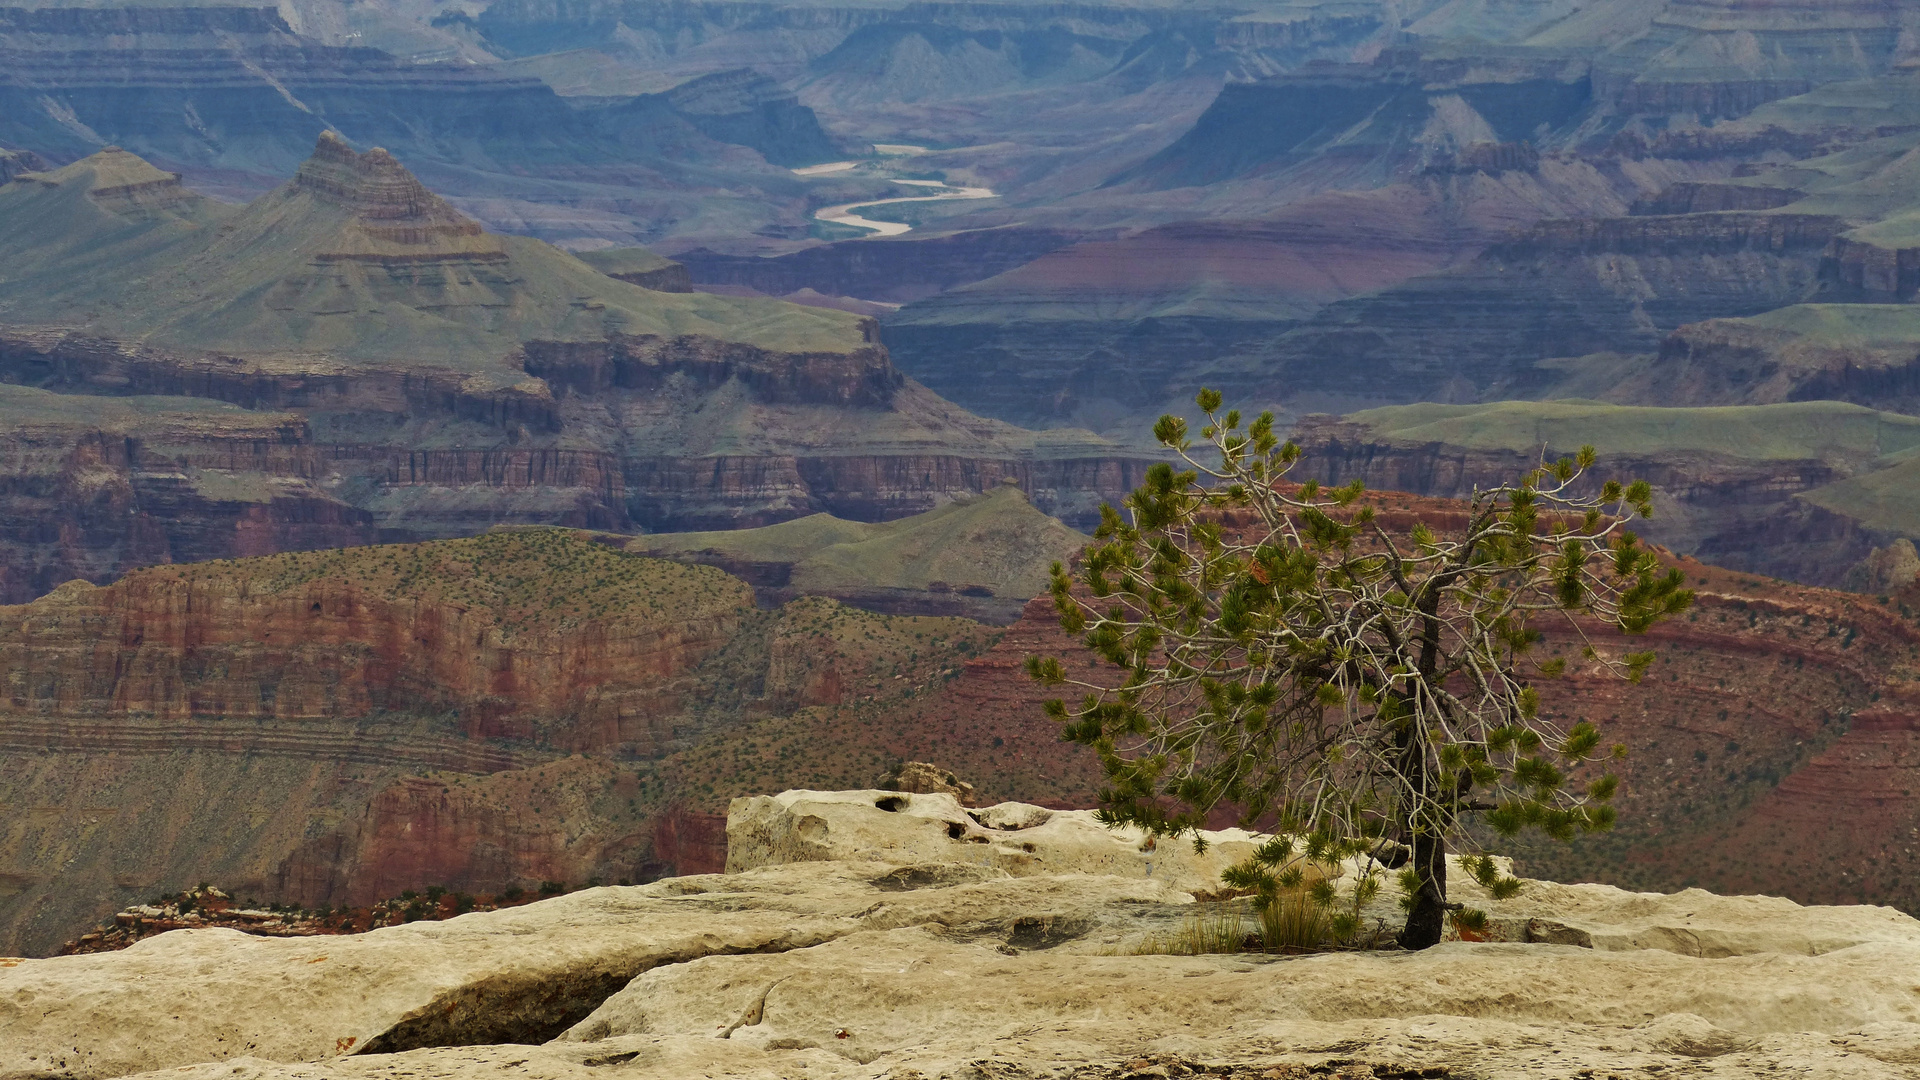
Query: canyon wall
(337,727)
(1562,288)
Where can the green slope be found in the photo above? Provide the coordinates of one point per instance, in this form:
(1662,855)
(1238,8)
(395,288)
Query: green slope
(1886,500)
(351,260)
(1786,432)
(997,540)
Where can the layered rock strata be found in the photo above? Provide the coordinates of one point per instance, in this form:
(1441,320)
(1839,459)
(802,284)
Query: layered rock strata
(235,95)
(342,727)
(1562,288)
(504,381)
(895,271)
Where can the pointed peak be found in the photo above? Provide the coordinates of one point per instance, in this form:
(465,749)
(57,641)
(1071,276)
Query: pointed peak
(373,185)
(395,215)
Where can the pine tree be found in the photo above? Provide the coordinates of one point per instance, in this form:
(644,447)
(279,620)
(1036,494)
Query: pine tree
(1273,648)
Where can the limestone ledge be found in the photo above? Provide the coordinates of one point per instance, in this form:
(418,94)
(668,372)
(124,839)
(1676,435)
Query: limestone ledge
(849,963)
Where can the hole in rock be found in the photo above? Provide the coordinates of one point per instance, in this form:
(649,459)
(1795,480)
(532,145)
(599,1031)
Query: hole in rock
(956,831)
(939,875)
(528,1011)
(892,804)
(1040,932)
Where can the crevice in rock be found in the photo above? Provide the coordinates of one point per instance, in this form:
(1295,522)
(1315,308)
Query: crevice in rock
(501,1011)
(530,1010)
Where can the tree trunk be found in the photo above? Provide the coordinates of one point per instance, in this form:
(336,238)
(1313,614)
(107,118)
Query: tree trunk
(1428,918)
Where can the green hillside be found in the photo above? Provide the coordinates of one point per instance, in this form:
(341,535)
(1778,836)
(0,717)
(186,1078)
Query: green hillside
(1885,500)
(351,260)
(1786,432)
(997,541)
(625,260)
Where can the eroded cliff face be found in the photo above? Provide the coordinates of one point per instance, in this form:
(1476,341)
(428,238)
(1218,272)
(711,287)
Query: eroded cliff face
(338,635)
(1562,288)
(93,494)
(338,727)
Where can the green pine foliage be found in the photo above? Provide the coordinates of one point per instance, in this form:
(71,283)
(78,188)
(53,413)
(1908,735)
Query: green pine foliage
(1276,649)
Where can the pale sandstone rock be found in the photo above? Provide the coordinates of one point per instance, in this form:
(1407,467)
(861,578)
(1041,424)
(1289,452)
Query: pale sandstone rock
(1693,922)
(909,1003)
(925,777)
(1021,839)
(522,974)
(807,826)
(909,987)
(993,968)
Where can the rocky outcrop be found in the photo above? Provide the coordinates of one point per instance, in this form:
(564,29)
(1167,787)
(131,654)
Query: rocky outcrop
(73,362)
(888,965)
(1723,58)
(640,267)
(1753,362)
(1885,570)
(1017,838)
(518,975)
(1866,272)
(1707,197)
(862,377)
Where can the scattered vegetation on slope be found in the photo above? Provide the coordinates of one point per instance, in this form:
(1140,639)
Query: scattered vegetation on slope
(524,579)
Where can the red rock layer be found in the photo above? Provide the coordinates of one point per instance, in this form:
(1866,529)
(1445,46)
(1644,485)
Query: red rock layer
(176,643)
(555,822)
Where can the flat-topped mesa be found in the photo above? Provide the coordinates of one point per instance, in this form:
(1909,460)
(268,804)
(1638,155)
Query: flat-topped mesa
(395,217)
(119,182)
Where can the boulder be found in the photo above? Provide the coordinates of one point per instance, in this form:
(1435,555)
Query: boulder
(920,777)
(858,826)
